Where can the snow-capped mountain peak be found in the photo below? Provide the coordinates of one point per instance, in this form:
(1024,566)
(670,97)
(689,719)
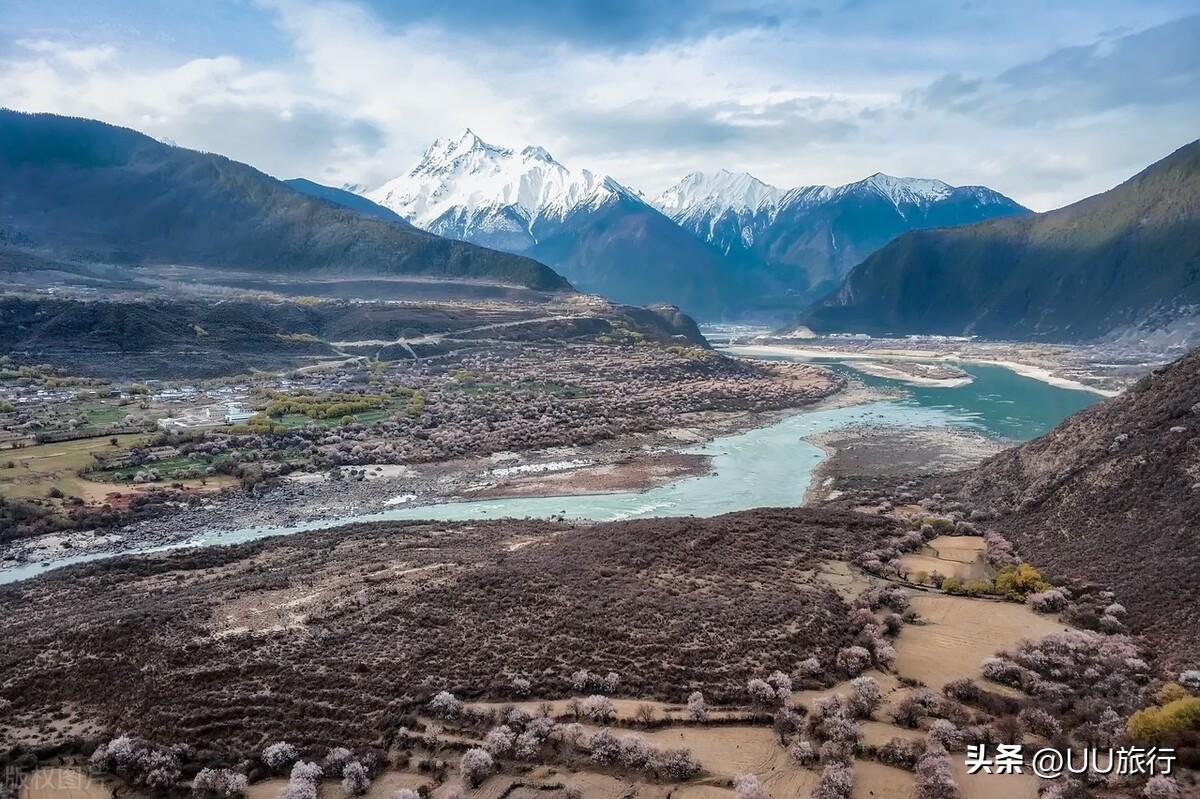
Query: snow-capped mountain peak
(535,153)
(903,191)
(824,229)
(716,193)
(465,187)
(713,194)
(450,153)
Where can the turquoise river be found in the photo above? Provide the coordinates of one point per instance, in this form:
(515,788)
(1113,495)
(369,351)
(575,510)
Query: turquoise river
(766,466)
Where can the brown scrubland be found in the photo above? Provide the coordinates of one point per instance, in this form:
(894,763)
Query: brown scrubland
(852,650)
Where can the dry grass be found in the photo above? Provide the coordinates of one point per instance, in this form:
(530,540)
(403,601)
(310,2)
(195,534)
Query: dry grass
(39,468)
(951,556)
(959,633)
(993,786)
(876,781)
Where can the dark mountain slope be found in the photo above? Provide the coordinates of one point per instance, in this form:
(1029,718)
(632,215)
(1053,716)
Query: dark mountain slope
(631,253)
(809,237)
(1124,258)
(1113,495)
(201,338)
(820,243)
(346,199)
(84,189)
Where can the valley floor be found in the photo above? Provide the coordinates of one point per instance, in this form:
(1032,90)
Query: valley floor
(1102,368)
(489,420)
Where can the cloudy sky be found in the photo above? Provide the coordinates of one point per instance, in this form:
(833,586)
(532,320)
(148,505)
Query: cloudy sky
(1046,101)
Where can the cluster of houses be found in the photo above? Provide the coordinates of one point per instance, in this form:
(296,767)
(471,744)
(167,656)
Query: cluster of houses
(173,406)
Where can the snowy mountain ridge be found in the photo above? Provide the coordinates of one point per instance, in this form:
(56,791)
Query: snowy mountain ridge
(812,235)
(713,194)
(464,184)
(714,243)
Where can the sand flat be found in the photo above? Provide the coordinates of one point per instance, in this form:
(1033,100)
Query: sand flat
(876,781)
(992,786)
(917,562)
(877,733)
(727,750)
(959,556)
(959,633)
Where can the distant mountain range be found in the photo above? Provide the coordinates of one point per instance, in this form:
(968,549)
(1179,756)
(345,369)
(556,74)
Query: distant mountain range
(811,236)
(79,189)
(596,232)
(1125,262)
(720,245)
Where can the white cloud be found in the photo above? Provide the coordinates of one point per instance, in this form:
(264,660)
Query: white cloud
(357,100)
(74,56)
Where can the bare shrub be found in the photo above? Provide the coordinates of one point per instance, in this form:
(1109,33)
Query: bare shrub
(803,753)
(935,777)
(963,689)
(337,759)
(445,705)
(945,734)
(598,708)
(606,749)
(866,697)
(901,752)
(853,660)
(1104,732)
(1161,786)
(280,756)
(355,780)
(747,786)
(219,782)
(634,752)
(1190,680)
(785,723)
(1039,722)
(916,706)
(760,691)
(697,707)
(674,764)
(1050,601)
(500,741)
(837,782)
(782,685)
(475,767)
(138,762)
